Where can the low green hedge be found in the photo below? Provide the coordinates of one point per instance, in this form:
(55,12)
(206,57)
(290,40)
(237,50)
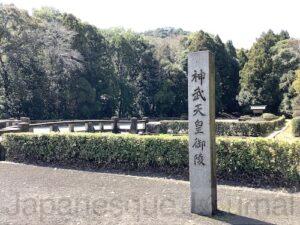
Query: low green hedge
(248,128)
(174,126)
(296,126)
(228,128)
(251,160)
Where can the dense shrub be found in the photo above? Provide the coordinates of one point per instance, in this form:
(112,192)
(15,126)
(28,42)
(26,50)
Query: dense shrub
(228,128)
(248,128)
(245,118)
(251,159)
(269,116)
(296,126)
(174,126)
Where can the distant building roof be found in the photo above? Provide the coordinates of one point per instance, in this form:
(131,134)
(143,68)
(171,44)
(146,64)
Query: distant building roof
(255,107)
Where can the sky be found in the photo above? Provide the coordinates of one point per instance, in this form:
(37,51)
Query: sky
(241,21)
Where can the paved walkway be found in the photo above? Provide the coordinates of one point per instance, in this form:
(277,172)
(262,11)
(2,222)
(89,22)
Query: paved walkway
(41,195)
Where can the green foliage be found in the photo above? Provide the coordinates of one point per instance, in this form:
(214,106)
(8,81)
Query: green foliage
(296,126)
(251,160)
(174,126)
(245,118)
(166,32)
(248,128)
(226,128)
(269,116)
(227,68)
(296,83)
(258,159)
(267,75)
(242,58)
(53,66)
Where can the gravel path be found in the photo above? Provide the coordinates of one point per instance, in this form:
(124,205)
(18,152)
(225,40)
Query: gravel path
(42,195)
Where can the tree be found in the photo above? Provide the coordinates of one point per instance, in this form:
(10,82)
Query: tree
(227,76)
(242,57)
(36,60)
(259,81)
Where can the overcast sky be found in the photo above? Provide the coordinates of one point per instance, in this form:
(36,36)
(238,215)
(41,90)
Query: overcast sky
(241,21)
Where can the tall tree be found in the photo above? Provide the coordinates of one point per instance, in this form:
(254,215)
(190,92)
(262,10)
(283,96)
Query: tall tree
(259,82)
(226,68)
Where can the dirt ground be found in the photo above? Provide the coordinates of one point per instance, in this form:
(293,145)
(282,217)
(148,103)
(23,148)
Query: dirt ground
(43,195)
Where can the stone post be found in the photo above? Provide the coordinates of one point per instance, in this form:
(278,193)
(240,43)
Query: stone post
(133,125)
(89,127)
(24,127)
(25,119)
(71,127)
(54,128)
(101,127)
(202,155)
(146,121)
(115,128)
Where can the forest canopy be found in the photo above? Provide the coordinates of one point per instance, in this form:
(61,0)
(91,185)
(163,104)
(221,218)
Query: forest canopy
(53,66)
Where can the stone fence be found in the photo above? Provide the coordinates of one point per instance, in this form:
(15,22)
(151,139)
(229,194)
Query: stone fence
(113,125)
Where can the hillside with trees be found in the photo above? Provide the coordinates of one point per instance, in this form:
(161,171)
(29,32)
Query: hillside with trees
(53,65)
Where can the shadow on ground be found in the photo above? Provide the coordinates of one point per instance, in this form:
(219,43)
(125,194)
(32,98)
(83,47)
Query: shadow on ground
(238,220)
(172,174)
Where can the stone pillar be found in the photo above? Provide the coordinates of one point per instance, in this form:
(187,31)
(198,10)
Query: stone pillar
(54,128)
(115,128)
(101,127)
(146,121)
(89,127)
(202,155)
(133,125)
(71,127)
(24,127)
(25,119)
(10,122)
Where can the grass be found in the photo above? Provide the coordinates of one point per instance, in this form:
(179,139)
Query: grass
(287,134)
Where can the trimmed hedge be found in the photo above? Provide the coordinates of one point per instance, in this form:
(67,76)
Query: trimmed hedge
(226,128)
(249,128)
(296,126)
(174,126)
(269,116)
(252,160)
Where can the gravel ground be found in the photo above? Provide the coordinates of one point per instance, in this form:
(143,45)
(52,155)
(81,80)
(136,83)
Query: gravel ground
(42,195)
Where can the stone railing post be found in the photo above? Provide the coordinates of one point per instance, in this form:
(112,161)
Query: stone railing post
(24,127)
(101,127)
(10,122)
(133,125)
(54,128)
(115,128)
(89,127)
(71,127)
(146,121)
(25,119)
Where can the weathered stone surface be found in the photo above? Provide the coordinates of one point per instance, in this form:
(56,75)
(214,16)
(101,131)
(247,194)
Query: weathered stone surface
(89,127)
(202,159)
(24,127)
(71,127)
(115,127)
(133,125)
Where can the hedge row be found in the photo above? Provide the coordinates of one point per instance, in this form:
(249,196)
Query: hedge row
(296,126)
(249,128)
(226,128)
(250,160)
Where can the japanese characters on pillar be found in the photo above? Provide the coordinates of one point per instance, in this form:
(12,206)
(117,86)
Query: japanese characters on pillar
(201,85)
